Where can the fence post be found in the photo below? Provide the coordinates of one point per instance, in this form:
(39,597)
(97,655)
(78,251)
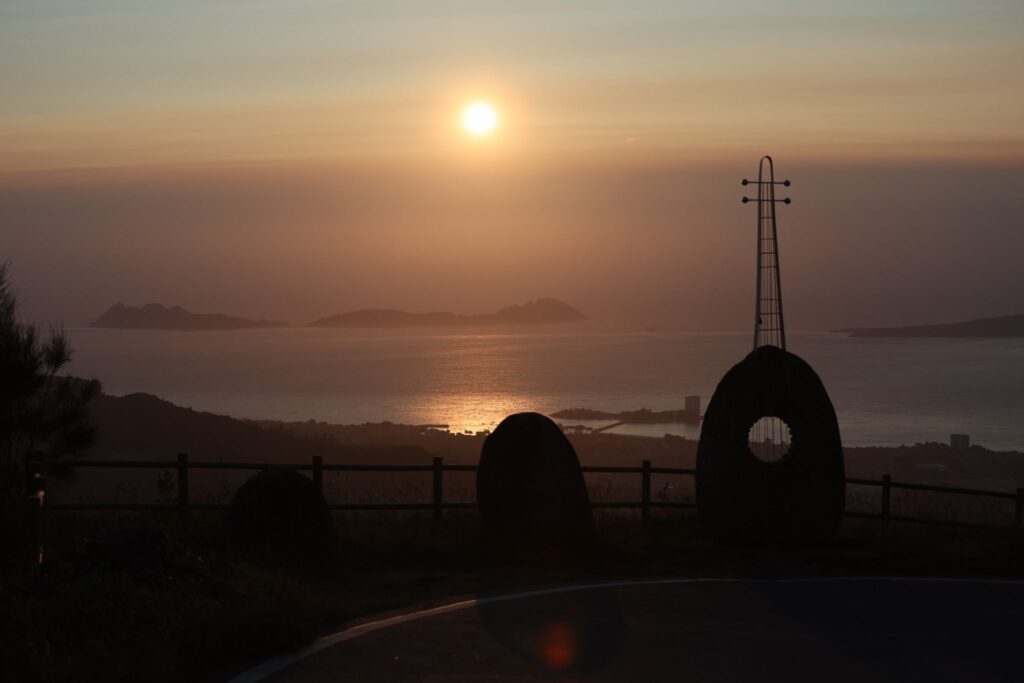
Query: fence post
(318,472)
(35,475)
(1019,516)
(183,484)
(35,488)
(438,489)
(886,495)
(645,492)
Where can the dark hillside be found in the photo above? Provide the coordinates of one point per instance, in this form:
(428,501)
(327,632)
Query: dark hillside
(142,425)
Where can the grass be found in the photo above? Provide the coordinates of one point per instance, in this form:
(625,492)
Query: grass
(209,615)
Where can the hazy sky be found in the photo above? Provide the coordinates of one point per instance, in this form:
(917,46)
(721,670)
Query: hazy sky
(296,159)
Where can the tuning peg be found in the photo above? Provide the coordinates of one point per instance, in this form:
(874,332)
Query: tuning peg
(746,199)
(787,200)
(786,183)
(744,181)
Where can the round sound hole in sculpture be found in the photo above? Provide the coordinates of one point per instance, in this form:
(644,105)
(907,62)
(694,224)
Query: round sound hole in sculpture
(797,498)
(769,438)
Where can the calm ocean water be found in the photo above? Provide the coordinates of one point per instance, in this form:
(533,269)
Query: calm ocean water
(886,391)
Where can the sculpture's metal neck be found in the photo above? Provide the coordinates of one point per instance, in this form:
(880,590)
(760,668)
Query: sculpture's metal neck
(769,327)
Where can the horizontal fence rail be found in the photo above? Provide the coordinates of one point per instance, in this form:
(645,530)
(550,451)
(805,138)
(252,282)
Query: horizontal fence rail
(182,465)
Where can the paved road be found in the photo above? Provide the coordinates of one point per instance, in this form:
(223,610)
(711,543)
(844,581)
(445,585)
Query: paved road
(871,630)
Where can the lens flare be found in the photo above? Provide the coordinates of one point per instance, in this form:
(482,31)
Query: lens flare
(559,646)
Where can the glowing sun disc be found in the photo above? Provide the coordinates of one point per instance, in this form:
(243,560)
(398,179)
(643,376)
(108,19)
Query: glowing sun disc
(479,118)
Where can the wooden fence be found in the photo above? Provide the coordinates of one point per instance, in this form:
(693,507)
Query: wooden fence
(183,505)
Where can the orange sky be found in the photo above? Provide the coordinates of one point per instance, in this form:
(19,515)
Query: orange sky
(292,160)
(147,82)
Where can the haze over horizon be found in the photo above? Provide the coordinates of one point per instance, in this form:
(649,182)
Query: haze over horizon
(292,161)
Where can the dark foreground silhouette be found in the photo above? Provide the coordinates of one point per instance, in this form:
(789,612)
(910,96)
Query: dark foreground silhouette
(280,515)
(872,630)
(795,500)
(531,495)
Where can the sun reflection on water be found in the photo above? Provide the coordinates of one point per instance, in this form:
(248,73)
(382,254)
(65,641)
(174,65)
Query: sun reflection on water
(472,413)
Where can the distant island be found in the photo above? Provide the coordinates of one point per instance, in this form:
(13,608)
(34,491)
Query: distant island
(642,416)
(1005,326)
(542,311)
(159,317)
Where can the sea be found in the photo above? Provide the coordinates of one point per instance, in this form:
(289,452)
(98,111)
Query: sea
(885,391)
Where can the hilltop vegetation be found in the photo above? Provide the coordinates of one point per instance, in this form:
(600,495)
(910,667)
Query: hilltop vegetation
(142,425)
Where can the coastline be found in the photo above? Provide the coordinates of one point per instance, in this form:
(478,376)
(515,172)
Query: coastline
(883,390)
(144,425)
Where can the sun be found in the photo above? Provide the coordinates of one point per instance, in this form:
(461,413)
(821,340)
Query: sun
(479,118)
